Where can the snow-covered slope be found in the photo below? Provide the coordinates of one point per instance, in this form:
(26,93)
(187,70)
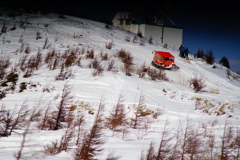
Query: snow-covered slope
(174,98)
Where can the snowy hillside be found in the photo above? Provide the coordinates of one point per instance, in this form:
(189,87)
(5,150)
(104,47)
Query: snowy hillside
(62,66)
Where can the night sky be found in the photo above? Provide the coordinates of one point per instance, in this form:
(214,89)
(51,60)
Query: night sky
(205,25)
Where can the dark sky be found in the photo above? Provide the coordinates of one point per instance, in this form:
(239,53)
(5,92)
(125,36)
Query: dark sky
(206,25)
(210,26)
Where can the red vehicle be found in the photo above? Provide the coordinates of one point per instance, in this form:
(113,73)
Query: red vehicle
(164,60)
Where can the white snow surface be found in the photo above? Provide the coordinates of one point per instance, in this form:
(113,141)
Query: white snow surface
(174,99)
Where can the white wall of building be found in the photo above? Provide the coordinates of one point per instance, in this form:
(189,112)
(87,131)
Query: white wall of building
(134,28)
(172,37)
(154,31)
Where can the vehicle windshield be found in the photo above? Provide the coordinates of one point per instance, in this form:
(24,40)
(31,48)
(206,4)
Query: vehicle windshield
(169,59)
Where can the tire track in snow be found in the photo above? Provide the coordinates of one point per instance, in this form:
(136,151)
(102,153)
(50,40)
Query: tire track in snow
(117,89)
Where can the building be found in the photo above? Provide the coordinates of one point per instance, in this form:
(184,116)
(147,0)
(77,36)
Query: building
(153,27)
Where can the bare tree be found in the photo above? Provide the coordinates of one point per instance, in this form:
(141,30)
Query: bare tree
(164,148)
(28,123)
(92,142)
(150,153)
(57,146)
(117,117)
(227,143)
(137,115)
(111,156)
(193,143)
(237,143)
(185,137)
(10,120)
(79,123)
(175,149)
(66,99)
(211,140)
(45,121)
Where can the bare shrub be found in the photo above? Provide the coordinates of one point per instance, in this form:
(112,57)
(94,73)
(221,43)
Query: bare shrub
(157,74)
(109,45)
(128,69)
(140,34)
(10,80)
(108,24)
(165,45)
(38,35)
(111,65)
(197,83)
(64,73)
(3,40)
(4,28)
(28,72)
(121,54)
(111,156)
(27,49)
(127,38)
(104,56)
(135,39)
(34,62)
(22,62)
(4,64)
(70,59)
(52,148)
(142,70)
(11,120)
(38,60)
(94,63)
(24,23)
(53,64)
(150,40)
(2,94)
(127,59)
(75,36)
(142,42)
(45,43)
(57,146)
(90,54)
(230,74)
(21,39)
(22,47)
(50,55)
(97,72)
(46,25)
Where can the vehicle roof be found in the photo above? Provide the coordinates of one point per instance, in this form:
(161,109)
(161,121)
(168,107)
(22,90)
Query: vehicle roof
(164,54)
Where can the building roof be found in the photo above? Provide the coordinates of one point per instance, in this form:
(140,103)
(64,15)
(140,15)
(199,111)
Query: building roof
(164,54)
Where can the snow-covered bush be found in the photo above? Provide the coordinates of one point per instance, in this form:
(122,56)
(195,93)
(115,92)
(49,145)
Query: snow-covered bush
(109,45)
